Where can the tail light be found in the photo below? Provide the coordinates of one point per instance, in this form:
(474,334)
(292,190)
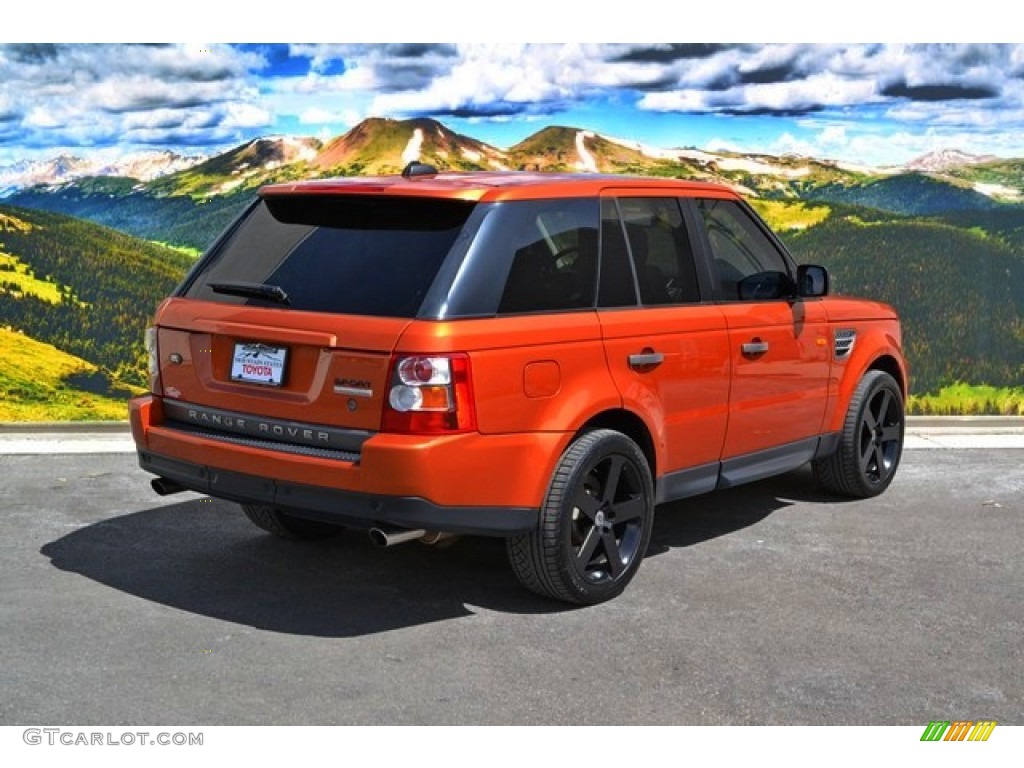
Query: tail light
(429,394)
(153,355)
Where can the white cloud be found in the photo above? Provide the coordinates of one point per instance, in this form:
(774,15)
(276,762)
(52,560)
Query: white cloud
(97,94)
(41,117)
(318,116)
(833,136)
(242,115)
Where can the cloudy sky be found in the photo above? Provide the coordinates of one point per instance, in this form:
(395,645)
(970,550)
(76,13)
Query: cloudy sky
(878,104)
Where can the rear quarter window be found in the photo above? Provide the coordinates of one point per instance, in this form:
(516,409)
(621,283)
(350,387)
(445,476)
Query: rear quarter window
(339,254)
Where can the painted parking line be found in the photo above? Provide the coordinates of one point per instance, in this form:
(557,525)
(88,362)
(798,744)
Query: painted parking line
(948,440)
(35,444)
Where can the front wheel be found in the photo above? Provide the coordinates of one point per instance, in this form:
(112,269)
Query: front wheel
(595,523)
(871,443)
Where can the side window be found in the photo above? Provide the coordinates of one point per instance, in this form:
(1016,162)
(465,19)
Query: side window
(747,265)
(618,286)
(660,247)
(554,266)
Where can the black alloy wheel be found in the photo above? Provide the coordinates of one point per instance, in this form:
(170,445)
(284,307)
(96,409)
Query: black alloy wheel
(871,443)
(595,523)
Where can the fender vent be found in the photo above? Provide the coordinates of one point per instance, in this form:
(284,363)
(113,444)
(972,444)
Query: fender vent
(844,342)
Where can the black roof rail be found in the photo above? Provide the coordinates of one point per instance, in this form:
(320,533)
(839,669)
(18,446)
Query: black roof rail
(414,169)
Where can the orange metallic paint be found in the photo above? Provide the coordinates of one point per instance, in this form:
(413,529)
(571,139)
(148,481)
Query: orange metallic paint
(778,397)
(452,470)
(537,378)
(684,401)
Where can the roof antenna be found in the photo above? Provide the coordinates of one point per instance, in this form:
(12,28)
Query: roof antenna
(414,169)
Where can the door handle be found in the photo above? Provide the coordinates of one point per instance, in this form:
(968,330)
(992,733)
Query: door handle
(754,348)
(646,359)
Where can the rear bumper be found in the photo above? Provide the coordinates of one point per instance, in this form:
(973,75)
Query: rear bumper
(462,483)
(341,507)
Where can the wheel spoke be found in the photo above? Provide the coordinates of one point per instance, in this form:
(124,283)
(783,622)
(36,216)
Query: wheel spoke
(611,549)
(883,407)
(866,452)
(891,433)
(589,546)
(870,422)
(586,503)
(611,482)
(880,461)
(630,509)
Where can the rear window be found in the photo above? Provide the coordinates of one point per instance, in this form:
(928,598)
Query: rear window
(343,254)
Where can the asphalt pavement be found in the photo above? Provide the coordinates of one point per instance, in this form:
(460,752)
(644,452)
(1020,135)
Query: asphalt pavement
(767,604)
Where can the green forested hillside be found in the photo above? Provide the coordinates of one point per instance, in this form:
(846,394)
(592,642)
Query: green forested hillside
(1004,172)
(910,194)
(108,285)
(38,382)
(960,293)
(1005,223)
(181,219)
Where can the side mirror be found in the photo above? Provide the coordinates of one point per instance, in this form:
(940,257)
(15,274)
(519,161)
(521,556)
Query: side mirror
(811,281)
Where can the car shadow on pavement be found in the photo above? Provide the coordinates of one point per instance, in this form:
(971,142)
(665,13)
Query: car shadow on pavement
(700,518)
(204,557)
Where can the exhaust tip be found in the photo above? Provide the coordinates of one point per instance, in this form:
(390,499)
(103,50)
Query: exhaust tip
(388,537)
(164,487)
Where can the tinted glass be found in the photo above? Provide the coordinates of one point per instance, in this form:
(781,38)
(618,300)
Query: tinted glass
(661,251)
(618,284)
(746,261)
(554,255)
(352,255)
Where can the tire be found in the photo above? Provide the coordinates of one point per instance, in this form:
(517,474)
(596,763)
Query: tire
(871,442)
(595,522)
(273,520)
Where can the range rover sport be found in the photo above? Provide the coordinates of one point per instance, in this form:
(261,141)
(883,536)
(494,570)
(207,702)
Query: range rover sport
(541,357)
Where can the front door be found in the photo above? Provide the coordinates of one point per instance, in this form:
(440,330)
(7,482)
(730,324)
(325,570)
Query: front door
(778,345)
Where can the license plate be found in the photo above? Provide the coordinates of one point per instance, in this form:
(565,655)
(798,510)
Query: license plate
(258,363)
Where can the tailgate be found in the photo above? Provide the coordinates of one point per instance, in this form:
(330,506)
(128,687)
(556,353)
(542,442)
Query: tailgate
(307,367)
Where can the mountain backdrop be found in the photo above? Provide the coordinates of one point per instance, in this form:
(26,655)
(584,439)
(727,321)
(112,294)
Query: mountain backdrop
(87,250)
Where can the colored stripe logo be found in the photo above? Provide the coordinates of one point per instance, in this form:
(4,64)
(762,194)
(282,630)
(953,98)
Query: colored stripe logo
(958,730)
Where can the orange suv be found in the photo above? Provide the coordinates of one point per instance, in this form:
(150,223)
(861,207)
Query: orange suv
(541,357)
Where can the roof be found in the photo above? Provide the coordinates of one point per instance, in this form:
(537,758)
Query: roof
(493,185)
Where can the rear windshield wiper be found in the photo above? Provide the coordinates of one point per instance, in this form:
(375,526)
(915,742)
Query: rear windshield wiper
(273,293)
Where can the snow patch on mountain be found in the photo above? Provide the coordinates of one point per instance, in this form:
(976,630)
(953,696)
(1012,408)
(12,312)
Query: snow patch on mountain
(300,148)
(750,165)
(655,153)
(722,162)
(586,162)
(946,159)
(998,191)
(411,153)
(144,166)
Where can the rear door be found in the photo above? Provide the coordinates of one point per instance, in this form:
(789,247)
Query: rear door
(778,345)
(666,345)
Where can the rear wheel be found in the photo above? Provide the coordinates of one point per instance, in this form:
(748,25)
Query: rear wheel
(595,523)
(871,443)
(273,520)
